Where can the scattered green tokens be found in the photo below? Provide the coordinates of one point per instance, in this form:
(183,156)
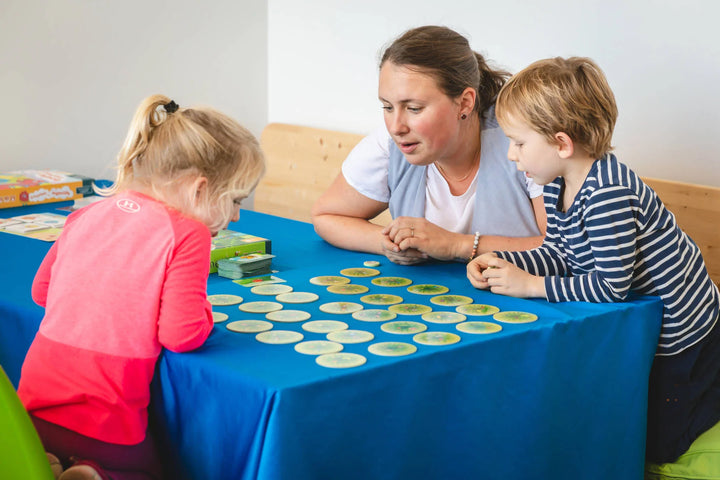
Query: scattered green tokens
(340,307)
(260,307)
(348,289)
(279,337)
(515,317)
(444,317)
(409,309)
(381,299)
(359,272)
(403,327)
(297,297)
(391,281)
(436,338)
(340,360)
(428,289)
(373,315)
(318,347)
(249,326)
(219,317)
(324,326)
(222,299)
(329,280)
(350,336)
(371,263)
(288,316)
(272,289)
(392,349)
(451,300)
(477,309)
(478,327)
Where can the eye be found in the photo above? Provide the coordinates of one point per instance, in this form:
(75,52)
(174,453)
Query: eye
(414,109)
(387,108)
(238,201)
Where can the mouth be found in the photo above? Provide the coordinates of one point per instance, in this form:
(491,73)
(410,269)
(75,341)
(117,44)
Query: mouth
(407,147)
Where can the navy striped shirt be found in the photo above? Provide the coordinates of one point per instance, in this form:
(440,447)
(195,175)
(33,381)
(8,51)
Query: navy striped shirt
(616,237)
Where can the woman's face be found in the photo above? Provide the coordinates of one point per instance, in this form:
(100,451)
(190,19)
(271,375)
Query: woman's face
(422,120)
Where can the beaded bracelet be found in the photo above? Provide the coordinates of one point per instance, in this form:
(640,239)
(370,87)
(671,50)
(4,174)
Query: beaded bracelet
(475,245)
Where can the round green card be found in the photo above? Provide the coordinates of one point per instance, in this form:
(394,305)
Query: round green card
(428,289)
(515,317)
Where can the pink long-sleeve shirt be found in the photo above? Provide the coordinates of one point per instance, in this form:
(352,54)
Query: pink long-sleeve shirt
(127,277)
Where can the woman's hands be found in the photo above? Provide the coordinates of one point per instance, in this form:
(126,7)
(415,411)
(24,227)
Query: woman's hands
(415,239)
(501,276)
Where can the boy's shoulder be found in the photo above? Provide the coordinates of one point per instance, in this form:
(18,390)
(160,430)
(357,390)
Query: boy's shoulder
(610,172)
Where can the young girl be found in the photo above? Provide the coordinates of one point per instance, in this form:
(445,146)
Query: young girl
(608,234)
(126,278)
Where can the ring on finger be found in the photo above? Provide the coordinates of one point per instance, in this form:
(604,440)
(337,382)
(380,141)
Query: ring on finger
(412,231)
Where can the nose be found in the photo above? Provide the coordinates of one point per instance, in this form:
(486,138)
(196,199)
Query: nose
(395,123)
(512,154)
(236,216)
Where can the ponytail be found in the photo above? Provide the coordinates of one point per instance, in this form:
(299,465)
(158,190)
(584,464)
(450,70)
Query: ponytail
(491,81)
(146,119)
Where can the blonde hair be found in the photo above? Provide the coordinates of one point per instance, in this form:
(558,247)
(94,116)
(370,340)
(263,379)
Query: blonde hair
(562,95)
(168,148)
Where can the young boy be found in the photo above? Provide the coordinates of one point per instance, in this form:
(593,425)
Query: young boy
(608,234)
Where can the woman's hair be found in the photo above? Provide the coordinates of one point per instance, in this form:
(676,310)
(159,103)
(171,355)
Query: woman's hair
(446,56)
(167,148)
(562,95)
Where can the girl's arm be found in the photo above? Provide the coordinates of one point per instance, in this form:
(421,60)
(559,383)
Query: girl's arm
(185,319)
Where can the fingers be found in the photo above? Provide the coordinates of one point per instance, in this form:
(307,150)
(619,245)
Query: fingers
(402,228)
(405,257)
(474,274)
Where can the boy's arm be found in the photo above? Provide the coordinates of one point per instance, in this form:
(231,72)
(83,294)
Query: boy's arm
(611,220)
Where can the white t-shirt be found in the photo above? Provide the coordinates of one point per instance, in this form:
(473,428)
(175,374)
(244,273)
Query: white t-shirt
(366,170)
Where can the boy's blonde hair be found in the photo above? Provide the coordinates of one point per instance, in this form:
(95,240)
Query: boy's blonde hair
(562,95)
(168,147)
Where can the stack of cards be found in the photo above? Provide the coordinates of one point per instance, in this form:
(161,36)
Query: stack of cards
(245,265)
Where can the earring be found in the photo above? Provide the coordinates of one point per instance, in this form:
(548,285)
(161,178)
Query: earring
(463,116)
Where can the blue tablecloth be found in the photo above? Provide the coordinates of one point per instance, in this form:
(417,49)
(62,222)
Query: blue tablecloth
(564,397)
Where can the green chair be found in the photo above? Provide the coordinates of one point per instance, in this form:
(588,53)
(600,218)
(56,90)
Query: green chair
(21,453)
(700,462)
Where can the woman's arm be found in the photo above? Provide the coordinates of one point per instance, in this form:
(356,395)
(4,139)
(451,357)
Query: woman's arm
(341,217)
(492,243)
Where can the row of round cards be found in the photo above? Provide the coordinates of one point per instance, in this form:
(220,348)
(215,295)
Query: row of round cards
(329,352)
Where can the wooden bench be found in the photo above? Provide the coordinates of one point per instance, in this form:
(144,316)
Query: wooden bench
(303,162)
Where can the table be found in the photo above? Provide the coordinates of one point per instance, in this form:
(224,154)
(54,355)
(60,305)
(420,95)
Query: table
(564,397)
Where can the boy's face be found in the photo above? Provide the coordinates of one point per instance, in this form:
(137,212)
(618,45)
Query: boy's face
(532,153)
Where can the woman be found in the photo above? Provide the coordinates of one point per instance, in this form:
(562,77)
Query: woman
(440,165)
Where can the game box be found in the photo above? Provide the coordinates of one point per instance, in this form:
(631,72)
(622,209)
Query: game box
(228,243)
(33,187)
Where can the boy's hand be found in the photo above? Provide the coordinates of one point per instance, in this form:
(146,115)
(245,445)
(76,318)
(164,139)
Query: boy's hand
(505,278)
(476,267)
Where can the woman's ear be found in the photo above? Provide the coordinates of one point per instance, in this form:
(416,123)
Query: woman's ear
(467,101)
(564,145)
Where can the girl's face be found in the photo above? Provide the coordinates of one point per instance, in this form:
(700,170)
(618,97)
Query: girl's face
(532,152)
(422,120)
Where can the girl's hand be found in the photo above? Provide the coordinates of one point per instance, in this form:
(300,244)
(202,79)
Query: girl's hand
(505,278)
(475,269)
(416,233)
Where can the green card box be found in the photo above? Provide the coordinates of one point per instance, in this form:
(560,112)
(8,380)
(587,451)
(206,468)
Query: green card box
(228,243)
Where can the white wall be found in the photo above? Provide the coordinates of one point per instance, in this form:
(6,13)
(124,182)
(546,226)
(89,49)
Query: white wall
(72,72)
(662,58)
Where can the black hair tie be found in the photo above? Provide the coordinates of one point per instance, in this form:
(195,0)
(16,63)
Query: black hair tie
(171,107)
